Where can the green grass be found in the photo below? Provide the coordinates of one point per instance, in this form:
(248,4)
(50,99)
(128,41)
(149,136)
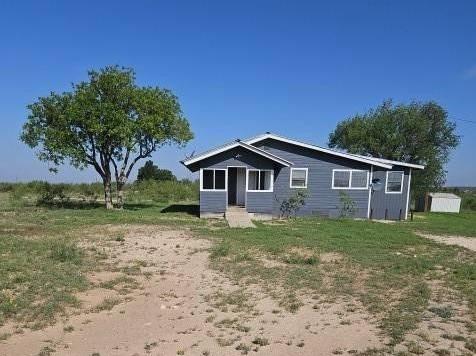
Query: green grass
(386,266)
(463,224)
(41,272)
(42,265)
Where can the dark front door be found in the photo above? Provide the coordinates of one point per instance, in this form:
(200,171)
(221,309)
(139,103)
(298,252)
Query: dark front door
(236,186)
(232,185)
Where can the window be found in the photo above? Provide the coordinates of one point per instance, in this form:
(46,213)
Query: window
(213,179)
(359,179)
(350,179)
(394,184)
(298,178)
(260,180)
(341,179)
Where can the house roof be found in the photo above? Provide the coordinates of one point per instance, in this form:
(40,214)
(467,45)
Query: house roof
(248,144)
(444,195)
(385,163)
(236,143)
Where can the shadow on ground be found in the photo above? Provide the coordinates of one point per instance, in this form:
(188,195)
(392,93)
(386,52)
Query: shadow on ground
(191,209)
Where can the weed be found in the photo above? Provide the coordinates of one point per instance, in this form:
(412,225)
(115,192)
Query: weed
(65,252)
(243,328)
(415,348)
(68,329)
(227,342)
(121,280)
(4,336)
(106,304)
(210,318)
(46,351)
(260,341)
(444,312)
(243,348)
(454,337)
(149,346)
(470,344)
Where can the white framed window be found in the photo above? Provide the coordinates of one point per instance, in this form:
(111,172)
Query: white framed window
(298,178)
(213,179)
(260,180)
(394,182)
(350,179)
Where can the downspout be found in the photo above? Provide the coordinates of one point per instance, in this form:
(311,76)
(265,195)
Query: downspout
(370,190)
(408,194)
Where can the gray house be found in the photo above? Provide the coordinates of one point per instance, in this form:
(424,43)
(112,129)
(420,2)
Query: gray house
(258,173)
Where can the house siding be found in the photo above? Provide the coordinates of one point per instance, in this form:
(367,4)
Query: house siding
(212,202)
(260,202)
(322,199)
(391,206)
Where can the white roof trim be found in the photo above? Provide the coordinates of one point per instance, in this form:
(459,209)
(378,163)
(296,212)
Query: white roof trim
(363,159)
(397,163)
(233,145)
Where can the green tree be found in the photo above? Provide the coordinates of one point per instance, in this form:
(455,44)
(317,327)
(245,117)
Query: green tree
(413,133)
(149,171)
(108,123)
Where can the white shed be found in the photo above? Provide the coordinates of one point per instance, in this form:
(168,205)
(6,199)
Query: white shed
(444,202)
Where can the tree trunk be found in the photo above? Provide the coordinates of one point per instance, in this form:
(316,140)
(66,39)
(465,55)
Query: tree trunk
(107,193)
(120,196)
(120,184)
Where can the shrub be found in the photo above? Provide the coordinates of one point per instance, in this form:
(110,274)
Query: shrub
(347,205)
(290,206)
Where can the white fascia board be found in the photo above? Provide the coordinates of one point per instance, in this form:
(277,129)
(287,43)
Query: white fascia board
(398,163)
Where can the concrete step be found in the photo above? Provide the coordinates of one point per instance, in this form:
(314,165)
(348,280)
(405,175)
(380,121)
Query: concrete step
(238,217)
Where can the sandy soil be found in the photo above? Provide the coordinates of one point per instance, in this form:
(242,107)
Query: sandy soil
(444,325)
(466,242)
(179,307)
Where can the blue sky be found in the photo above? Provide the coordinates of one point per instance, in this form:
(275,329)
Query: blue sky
(244,67)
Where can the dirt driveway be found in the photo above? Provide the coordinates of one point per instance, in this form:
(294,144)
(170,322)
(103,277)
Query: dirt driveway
(162,299)
(466,242)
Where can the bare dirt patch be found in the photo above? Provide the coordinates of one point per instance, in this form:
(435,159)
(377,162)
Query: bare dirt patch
(446,326)
(466,242)
(180,306)
(330,257)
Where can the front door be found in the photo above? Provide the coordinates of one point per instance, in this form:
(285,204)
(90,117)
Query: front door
(240,186)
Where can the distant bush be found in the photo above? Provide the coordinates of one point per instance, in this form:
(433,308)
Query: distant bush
(163,191)
(45,193)
(469,202)
(53,193)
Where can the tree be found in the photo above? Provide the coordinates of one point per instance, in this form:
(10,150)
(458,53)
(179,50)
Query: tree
(151,172)
(108,123)
(413,133)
